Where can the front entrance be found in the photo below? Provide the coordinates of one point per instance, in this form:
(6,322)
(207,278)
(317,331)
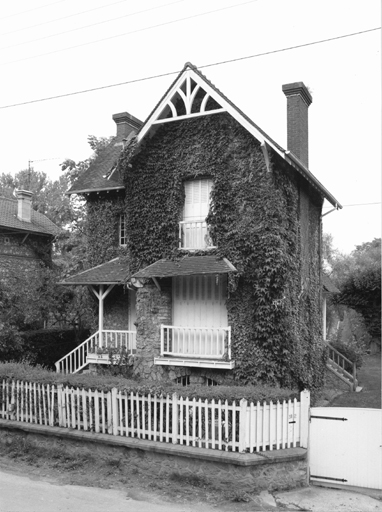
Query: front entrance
(346,446)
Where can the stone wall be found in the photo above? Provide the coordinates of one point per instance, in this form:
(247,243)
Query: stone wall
(116,309)
(154,307)
(18,259)
(276,470)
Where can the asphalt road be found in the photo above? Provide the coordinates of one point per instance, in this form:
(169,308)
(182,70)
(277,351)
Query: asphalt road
(22,494)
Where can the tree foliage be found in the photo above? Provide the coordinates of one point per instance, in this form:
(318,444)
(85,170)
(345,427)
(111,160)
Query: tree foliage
(358,276)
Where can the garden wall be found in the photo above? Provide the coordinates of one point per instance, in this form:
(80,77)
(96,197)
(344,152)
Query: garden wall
(274,470)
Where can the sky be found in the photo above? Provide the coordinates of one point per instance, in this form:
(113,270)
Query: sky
(59,47)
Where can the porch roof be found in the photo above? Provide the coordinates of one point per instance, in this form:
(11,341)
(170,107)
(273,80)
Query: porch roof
(111,272)
(190,265)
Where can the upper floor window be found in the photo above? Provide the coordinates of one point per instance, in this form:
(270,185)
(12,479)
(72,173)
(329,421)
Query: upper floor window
(122,230)
(193,229)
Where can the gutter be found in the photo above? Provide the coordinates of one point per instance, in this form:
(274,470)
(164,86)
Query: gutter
(90,190)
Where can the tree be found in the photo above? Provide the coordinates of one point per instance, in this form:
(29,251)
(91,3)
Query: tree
(358,276)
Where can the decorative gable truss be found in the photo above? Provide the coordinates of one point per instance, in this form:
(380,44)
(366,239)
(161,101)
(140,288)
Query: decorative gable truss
(191,95)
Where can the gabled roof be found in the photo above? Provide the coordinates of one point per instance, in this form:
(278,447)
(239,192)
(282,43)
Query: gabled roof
(40,224)
(185,87)
(93,179)
(111,272)
(189,265)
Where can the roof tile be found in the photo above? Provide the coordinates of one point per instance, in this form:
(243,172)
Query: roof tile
(39,222)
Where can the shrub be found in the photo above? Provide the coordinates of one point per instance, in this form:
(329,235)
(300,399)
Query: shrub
(26,372)
(352,352)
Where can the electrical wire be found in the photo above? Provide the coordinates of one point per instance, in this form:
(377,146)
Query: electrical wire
(152,77)
(143,29)
(30,10)
(62,18)
(91,25)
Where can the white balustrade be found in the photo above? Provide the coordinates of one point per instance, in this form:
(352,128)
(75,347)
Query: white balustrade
(199,342)
(194,235)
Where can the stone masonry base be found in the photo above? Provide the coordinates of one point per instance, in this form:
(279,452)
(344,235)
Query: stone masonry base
(275,470)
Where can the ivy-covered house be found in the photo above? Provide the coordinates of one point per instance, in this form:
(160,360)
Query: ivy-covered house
(204,243)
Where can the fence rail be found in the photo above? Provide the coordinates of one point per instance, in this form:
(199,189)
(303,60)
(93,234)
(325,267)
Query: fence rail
(237,426)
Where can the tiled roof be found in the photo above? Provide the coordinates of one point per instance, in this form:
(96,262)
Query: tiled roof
(190,265)
(328,284)
(92,179)
(112,272)
(39,222)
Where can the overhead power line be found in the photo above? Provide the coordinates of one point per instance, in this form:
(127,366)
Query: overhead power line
(143,29)
(91,25)
(152,77)
(62,18)
(30,10)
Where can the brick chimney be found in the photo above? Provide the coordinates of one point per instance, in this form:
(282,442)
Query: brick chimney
(126,123)
(298,101)
(24,205)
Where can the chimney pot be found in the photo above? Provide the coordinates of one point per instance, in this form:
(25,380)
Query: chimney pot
(298,101)
(24,205)
(126,123)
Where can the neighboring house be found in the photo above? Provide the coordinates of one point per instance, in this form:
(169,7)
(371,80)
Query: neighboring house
(204,238)
(26,238)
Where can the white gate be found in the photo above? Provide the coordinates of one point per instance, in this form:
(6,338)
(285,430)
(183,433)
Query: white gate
(346,446)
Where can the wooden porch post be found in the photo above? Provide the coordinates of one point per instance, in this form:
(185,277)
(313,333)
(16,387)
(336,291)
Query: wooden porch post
(101,296)
(100,313)
(324,317)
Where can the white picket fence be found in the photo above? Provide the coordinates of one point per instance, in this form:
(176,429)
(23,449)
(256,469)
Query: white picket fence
(239,427)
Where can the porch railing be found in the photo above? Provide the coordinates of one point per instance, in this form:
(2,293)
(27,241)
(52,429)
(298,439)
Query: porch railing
(76,360)
(194,235)
(197,342)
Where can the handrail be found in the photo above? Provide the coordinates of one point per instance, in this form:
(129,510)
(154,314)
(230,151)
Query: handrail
(341,358)
(76,360)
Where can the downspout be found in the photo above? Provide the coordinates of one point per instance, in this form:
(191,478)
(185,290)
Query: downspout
(323,299)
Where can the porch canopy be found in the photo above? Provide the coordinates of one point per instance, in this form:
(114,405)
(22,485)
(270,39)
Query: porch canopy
(111,272)
(189,265)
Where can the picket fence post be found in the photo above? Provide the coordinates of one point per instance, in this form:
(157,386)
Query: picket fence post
(304,418)
(60,406)
(114,411)
(243,425)
(174,418)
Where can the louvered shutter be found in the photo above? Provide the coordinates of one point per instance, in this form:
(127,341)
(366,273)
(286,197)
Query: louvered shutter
(197,201)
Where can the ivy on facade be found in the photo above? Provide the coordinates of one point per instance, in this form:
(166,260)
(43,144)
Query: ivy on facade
(273,300)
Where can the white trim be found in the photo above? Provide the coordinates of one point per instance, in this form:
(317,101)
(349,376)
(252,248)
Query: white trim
(194,363)
(188,116)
